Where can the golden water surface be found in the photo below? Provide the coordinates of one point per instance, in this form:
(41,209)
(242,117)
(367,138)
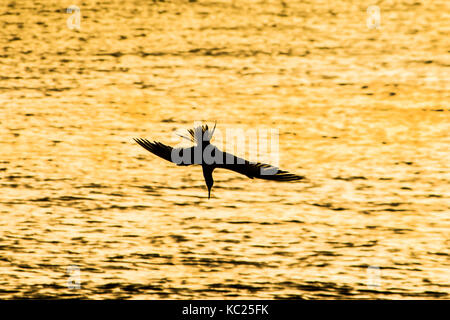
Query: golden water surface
(361,110)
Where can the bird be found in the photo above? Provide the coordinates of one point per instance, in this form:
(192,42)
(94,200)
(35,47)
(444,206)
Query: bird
(211,157)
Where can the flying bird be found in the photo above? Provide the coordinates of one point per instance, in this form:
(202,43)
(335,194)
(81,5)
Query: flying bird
(210,157)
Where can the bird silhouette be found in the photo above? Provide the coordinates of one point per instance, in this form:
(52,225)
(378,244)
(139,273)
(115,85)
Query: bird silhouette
(210,157)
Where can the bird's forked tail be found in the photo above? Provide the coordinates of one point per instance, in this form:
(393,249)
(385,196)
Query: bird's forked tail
(201,134)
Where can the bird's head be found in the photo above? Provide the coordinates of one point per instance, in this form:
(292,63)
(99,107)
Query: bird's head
(209,184)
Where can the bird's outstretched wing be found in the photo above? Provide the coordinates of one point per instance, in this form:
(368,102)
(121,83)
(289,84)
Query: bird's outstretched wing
(174,155)
(256,169)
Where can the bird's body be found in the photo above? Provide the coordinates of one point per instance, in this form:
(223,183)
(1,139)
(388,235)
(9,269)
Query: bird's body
(210,157)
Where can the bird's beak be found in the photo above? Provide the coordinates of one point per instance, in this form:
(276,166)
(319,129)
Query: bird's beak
(209,194)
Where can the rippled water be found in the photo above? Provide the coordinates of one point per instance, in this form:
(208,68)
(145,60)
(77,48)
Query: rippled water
(362,113)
